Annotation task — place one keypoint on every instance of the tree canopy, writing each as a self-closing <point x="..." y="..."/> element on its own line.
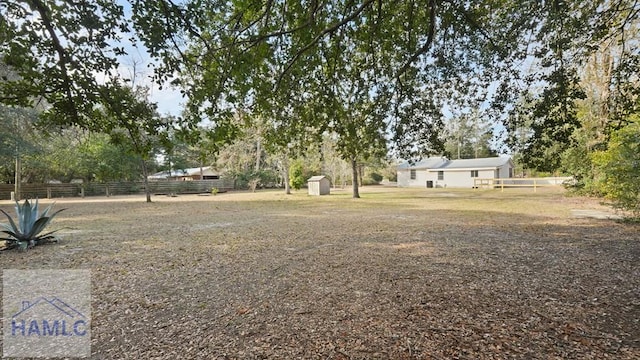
<point x="58" y="52"/>
<point x="368" y="71"/>
<point x="430" y="54"/>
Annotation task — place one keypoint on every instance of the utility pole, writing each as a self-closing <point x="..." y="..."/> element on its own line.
<point x="18" y="179"/>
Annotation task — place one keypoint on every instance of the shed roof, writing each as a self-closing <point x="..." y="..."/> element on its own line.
<point x="317" y="178"/>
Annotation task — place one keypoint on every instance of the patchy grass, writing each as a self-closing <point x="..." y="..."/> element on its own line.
<point x="400" y="273"/>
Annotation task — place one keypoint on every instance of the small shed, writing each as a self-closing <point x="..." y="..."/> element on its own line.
<point x="319" y="185"/>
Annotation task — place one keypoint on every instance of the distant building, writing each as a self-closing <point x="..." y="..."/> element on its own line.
<point x="437" y="172"/>
<point x="199" y="173"/>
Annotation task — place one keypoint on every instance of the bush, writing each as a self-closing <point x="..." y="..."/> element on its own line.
<point x="296" y="175"/>
<point x="619" y="169"/>
<point x="372" y="178"/>
<point x="252" y="179"/>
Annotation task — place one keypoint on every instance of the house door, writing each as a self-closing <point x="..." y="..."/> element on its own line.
<point x="429" y="184"/>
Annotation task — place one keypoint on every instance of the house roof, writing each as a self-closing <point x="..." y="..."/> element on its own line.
<point x="182" y="172"/>
<point x="317" y="178"/>
<point x="443" y="164"/>
<point x="428" y="163"/>
<point x="481" y="163"/>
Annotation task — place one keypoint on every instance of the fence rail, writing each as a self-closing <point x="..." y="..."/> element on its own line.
<point x="534" y="183"/>
<point x="115" y="188"/>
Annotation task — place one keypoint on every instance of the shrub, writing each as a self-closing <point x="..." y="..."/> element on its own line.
<point x="372" y="178"/>
<point x="246" y="179"/>
<point x="296" y="175"/>
<point x="26" y="230"/>
<point x="376" y="177"/>
<point x="619" y="169"/>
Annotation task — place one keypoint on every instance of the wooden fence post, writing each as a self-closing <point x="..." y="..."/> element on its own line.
<point x="48" y="193"/>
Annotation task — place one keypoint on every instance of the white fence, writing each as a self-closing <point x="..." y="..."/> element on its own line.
<point x="534" y="183"/>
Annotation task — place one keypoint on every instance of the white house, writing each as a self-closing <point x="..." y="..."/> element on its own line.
<point x="442" y="172"/>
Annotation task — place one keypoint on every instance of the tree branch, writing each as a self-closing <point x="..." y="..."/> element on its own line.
<point x="318" y="37"/>
<point x="63" y="57"/>
<point x="427" y="45"/>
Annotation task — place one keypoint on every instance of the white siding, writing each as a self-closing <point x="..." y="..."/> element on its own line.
<point x="403" y="178"/>
<point x="422" y="176"/>
<point x="319" y="186"/>
<point x="504" y="170"/>
<point x="460" y="178"/>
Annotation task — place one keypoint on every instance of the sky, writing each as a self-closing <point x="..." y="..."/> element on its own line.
<point x="169" y="100"/>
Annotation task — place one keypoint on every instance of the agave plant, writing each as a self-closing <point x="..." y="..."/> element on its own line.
<point x="26" y="230"/>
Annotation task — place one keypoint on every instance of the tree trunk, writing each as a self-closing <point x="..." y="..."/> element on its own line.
<point x="354" y="169"/>
<point x="284" y="171"/>
<point x="287" y="187"/>
<point x="18" y="179"/>
<point x="145" y="174"/>
<point x="258" y="155"/>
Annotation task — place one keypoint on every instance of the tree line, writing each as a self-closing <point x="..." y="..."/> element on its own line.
<point x="376" y="77"/>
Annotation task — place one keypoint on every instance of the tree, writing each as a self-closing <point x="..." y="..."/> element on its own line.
<point x="603" y="159"/>
<point x="296" y="175"/>
<point x="262" y="53"/>
<point x="569" y="34"/>
<point x="245" y="158"/>
<point x="18" y="139"/>
<point x="56" y="50"/>
<point x="618" y="168"/>
<point x="468" y="137"/>
<point x="131" y="120"/>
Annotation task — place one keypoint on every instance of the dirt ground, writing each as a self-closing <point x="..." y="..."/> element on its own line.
<point x="397" y="274"/>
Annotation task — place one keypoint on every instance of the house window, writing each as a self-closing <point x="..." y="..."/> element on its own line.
<point x="440" y="175"/>
<point x="474" y="173"/>
<point x="413" y="174"/>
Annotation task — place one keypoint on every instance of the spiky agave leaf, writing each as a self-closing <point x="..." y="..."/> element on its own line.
<point x="46" y="210"/>
<point x="12" y="229"/>
<point x="39" y="225"/>
<point x="24" y="216"/>
<point x="34" y="214"/>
